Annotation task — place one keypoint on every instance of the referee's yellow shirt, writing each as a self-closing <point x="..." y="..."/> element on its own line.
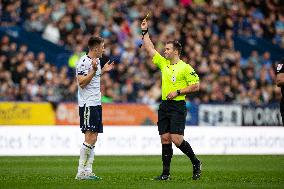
<point x="174" y="77"/>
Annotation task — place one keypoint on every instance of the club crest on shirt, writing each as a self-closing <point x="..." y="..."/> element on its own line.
<point x="279" y="67"/>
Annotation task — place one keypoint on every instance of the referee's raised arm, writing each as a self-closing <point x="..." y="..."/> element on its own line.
<point x="149" y="46"/>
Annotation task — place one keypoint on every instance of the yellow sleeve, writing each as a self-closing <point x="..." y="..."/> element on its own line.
<point x="190" y="76"/>
<point x="159" y="60"/>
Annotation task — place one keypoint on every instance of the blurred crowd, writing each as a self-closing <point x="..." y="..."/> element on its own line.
<point x="205" y="29"/>
<point x="25" y="76"/>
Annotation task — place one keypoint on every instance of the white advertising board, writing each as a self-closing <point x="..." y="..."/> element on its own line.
<point x="122" y="140"/>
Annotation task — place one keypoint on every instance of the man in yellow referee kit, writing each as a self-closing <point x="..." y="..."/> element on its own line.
<point x="178" y="79"/>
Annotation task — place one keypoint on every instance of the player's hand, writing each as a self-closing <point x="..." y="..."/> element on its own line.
<point x="108" y="66"/>
<point x="95" y="65"/>
<point x="172" y="95"/>
<point x="144" y="25"/>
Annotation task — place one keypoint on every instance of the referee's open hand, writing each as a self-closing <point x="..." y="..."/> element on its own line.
<point x="172" y="95"/>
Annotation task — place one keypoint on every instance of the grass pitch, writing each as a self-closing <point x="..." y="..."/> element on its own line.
<point x="261" y="171"/>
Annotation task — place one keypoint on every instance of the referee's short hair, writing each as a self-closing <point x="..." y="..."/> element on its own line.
<point x="94" y="41"/>
<point x="176" y="45"/>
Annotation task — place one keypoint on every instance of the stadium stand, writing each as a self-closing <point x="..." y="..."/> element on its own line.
<point x="227" y="75"/>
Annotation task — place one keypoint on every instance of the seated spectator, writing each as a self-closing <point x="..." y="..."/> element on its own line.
<point x="205" y="29"/>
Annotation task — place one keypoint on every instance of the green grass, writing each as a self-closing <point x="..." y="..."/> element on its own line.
<point x="261" y="171"/>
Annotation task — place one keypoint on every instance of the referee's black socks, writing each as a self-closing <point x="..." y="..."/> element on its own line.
<point x="167" y="154"/>
<point x="187" y="150"/>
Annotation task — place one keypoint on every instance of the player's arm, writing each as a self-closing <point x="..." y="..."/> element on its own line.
<point x="85" y="79"/>
<point x="280" y="79"/>
<point x="107" y="67"/>
<point x="149" y="46"/>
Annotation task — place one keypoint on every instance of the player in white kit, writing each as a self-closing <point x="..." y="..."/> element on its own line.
<point x="88" y="72"/>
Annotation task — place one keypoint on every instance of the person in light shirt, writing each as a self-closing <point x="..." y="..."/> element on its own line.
<point x="88" y="72"/>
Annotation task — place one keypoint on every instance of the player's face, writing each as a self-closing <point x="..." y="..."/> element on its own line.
<point x="169" y="51"/>
<point x="100" y="50"/>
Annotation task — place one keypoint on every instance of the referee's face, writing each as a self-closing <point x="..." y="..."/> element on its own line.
<point x="169" y="51"/>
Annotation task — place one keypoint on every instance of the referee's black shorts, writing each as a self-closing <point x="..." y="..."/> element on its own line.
<point x="91" y="119"/>
<point x="171" y="117"/>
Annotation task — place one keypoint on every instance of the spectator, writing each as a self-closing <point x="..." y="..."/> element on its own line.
<point x="209" y="49"/>
<point x="51" y="33"/>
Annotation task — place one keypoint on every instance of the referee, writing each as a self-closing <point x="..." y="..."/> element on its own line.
<point x="178" y="79"/>
<point x="280" y="83"/>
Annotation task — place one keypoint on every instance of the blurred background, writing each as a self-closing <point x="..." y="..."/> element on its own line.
<point x="232" y="45"/>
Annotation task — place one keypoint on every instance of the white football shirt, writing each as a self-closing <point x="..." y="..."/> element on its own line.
<point x="90" y="95"/>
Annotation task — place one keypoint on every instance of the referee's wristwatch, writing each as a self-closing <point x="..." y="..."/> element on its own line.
<point x="178" y="92"/>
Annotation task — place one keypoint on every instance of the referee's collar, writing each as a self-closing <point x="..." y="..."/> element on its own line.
<point x="175" y="63"/>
